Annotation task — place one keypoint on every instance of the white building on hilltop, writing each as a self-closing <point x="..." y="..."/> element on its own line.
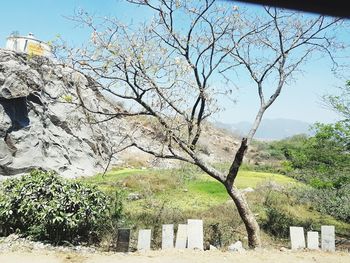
<point x="28" y="44"/>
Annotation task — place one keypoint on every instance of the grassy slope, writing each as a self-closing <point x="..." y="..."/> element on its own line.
<point x="189" y="191"/>
<point x="182" y="188"/>
<point x="201" y="182"/>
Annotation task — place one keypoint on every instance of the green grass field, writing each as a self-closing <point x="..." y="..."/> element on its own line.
<point x="197" y="181"/>
<point x="180" y="188"/>
<point x="190" y="192"/>
<point x="186" y="190"/>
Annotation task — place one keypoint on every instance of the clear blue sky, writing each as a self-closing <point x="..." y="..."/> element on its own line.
<point x="46" y="19"/>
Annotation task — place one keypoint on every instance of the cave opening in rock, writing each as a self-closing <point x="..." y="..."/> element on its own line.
<point x="17" y="111"/>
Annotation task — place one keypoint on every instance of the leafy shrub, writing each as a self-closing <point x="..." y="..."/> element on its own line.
<point x="277" y="222"/>
<point x="328" y="200"/>
<point x="278" y="218"/>
<point x="47" y="207"/>
<point x="273" y="167"/>
<point x="318" y="183"/>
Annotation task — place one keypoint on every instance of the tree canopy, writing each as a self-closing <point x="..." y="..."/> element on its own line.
<point x="173" y="69"/>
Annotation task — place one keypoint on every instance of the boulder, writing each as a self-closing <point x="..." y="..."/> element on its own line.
<point x="134" y="196"/>
<point x="211" y="247"/>
<point x="236" y="247"/>
<point x="43" y="123"/>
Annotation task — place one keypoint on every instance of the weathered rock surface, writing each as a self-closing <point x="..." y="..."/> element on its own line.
<point x="41" y="122"/>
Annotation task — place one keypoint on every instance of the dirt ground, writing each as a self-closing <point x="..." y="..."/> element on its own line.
<point x="176" y="257"/>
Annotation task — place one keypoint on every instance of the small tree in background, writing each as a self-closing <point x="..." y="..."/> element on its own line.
<point x="173" y="70"/>
<point x="340" y="103"/>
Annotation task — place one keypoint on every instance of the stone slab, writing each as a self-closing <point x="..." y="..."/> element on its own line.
<point x="236" y="247"/>
<point x="181" y="236"/>
<point x="123" y="240"/>
<point x="297" y="237"/>
<point x="167" y="236"/>
<point x="328" y="238"/>
<point x="144" y="240"/>
<point x="312" y="240"/>
<point x="195" y="234"/>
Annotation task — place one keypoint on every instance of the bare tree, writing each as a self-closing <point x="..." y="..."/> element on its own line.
<point x="173" y="69"/>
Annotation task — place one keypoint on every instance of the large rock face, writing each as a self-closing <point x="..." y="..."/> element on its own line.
<point x="50" y="119"/>
<point x="41" y="122"/>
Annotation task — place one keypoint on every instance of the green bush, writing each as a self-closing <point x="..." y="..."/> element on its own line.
<point x="328" y="200"/>
<point x="278" y="218"/>
<point x="47" y="207"/>
<point x="278" y="222"/>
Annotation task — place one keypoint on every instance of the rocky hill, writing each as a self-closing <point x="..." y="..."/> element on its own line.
<point x="49" y="119"/>
<point x="41" y="126"/>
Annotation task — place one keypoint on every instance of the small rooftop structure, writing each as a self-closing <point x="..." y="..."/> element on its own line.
<point x="28" y="44"/>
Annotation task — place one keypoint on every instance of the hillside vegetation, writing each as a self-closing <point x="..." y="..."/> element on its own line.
<point x="155" y="196"/>
<point x="147" y="198"/>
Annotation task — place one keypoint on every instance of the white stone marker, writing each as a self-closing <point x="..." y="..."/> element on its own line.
<point x="312" y="240"/>
<point x="167" y="236"/>
<point x="328" y="238"/>
<point x="297" y="238"/>
<point x="181" y="237"/>
<point x="144" y="240"/>
<point x="195" y="234"/>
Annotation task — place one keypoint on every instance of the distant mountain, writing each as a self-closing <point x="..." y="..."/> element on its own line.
<point x="270" y="129"/>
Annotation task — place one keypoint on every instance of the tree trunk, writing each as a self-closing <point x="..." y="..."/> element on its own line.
<point x="247" y="216"/>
